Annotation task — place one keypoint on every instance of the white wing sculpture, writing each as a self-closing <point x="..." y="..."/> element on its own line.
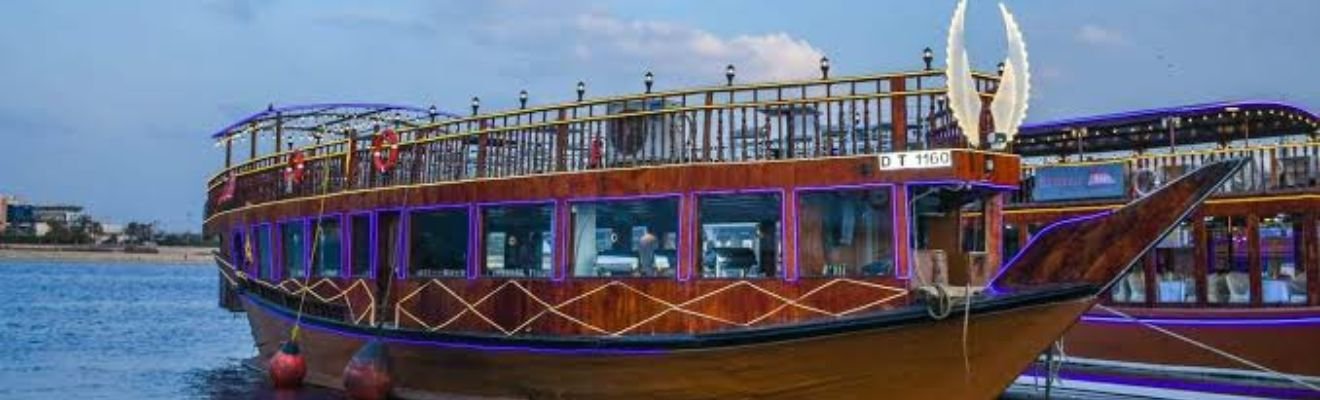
<point x="1009" y="107"/>
<point x="1010" y="104"/>
<point x="963" y="101"/>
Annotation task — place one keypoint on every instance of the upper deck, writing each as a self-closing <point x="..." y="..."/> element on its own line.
<point x="819" y="119"/>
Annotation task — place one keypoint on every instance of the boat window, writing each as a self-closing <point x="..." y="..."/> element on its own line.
<point x="1228" y="280"/>
<point x="1011" y="236"/>
<point x="740" y="235"/>
<point x="519" y="241"/>
<point x="625" y="238"/>
<point x="293" y="244"/>
<point x="438" y="243"/>
<point x="1131" y="288"/>
<point x="846" y="233"/>
<point x="236" y="252"/>
<point x="360" y="233"/>
<point x="1283" y="277"/>
<point x="261" y="250"/>
<point x="389" y="250"/>
<point x="328" y="253"/>
<point x="1175" y="266"/>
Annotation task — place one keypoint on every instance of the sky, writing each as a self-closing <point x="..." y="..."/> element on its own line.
<point x="109" y="104"/>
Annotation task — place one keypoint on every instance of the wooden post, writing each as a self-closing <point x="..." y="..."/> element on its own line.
<point x="482" y="149"/>
<point x="994" y="235"/>
<point x="1311" y="258"/>
<point x="705" y="135"/>
<point x="898" y="112"/>
<point x="561" y="142"/>
<point x="1253" y="259"/>
<point x="1152" y="282"/>
<point x="903" y="253"/>
<point x="1201" y="258"/>
<point x="789" y="224"/>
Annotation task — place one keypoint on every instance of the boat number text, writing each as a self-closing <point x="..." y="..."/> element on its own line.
<point x="916" y="159"/>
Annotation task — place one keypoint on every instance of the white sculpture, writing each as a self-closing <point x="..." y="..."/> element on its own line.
<point x="1009" y="107"/>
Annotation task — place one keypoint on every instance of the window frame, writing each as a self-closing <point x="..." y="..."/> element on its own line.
<point x="564" y="242"/>
<point x="785" y="210"/>
<point x="477" y="239"/>
<point x="895" y="235"/>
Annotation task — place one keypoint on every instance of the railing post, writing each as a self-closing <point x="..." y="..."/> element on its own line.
<point x="1201" y="258"/>
<point x="561" y="142"/>
<point x="705" y="133"/>
<point x="482" y="149"/>
<point x="898" y="112"/>
<point x="229" y="152"/>
<point x="1253" y="259"/>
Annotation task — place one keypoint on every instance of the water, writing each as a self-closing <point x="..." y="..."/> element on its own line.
<point x="123" y="331"/>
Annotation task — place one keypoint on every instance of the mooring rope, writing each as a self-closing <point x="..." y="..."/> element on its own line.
<point x="1212" y="349"/>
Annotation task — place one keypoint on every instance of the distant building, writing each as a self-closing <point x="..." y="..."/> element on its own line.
<point x="4" y="213"/>
<point x="60" y="213"/>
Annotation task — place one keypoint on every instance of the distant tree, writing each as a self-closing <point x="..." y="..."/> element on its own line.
<point x="138" y="232"/>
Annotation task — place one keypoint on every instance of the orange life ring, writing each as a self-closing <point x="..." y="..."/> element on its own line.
<point x="385" y="150"/>
<point x="294" y="171"/>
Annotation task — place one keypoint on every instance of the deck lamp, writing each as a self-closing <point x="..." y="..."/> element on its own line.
<point x="476" y="104"/>
<point x="581" y="90"/>
<point x="432" y="112"/>
<point x="824" y="68"/>
<point x="927" y="56"/>
<point x="522" y="100"/>
<point x="729" y="72"/>
<point x="649" y="79"/>
<point x="1001" y="68"/>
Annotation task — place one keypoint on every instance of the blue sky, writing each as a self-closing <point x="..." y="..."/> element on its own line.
<point x="108" y="104"/>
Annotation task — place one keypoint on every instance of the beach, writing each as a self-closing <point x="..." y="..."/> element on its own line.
<point x="74" y="253"/>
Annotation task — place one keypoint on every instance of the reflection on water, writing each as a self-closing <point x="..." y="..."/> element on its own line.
<point x="123" y="331"/>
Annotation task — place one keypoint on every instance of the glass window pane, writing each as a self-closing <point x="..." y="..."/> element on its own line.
<point x="1228" y="280"/>
<point x="1132" y="287"/>
<point x="740" y="235"/>
<point x="1011" y="240"/>
<point x="294" y="252"/>
<point x="361" y="246"/>
<point x="328" y="258"/>
<point x="236" y="253"/>
<point x="519" y="240"/>
<point x="438" y="243"/>
<point x="262" y="252"/>
<point x="1175" y="266"/>
<point x="1283" y="277"/>
<point x="625" y="238"/>
<point x="846" y="233"/>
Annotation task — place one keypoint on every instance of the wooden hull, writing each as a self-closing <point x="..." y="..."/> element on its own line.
<point x="917" y="361"/>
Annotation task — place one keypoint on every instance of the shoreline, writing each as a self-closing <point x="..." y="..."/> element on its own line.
<point x="73" y="253"/>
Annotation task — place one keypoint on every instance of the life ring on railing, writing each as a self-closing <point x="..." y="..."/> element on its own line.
<point x="297" y="164"/>
<point x="385" y="150"/>
<point x="227" y="189"/>
<point x="595" y="153"/>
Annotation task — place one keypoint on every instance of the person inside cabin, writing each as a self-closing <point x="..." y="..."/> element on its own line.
<point x="646" y="246"/>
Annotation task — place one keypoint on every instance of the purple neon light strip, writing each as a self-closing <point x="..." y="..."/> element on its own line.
<point x="452" y="345"/>
<point x="1155" y="113"/>
<point x="900" y="269"/>
<point x="1248" y="322"/>
<point x="1038" y="235"/>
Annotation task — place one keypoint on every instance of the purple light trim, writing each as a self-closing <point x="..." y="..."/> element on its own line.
<point x="1252" y="322"/>
<point x="893" y="220"/>
<point x="783" y="215"/>
<point x="678" y="265"/>
<point x="451" y="345"/>
<point x="1038" y="235"/>
<point x="1153" y="114"/>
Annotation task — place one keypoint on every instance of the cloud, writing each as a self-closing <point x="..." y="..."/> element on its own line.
<point x="1096" y="35"/>
<point x="685" y="50"/>
<point x="238" y="10"/>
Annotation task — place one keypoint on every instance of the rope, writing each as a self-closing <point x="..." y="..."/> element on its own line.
<point x="1212" y="349"/>
<point x="316" y="235"/>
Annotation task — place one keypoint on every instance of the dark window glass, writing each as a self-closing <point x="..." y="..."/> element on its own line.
<point x="438" y="243"/>
<point x="262" y="252"/>
<point x="293" y="239"/>
<point x="740" y="235"/>
<point x="519" y="241"/>
<point x="846" y="232"/>
<point x="1228" y="280"/>
<point x="328" y="253"/>
<point x="1283" y="277"/>
<point x="361" y="245"/>
<point x="625" y="238"/>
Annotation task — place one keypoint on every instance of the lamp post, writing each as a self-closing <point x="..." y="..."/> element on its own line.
<point x="522" y="100"/>
<point x="581" y="90"/>
<point x="649" y="79"/>
<point x="476" y="104"/>
<point x="927" y="56"/>
<point x="824" y="68"/>
<point x="432" y="112"/>
<point x="729" y="72"/>
<point x="1001" y="68"/>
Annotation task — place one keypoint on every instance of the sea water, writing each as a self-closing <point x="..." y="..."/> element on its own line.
<point x="89" y="330"/>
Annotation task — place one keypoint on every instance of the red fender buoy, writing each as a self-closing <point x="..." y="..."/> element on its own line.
<point x="287" y="367"/>
<point x="367" y="375"/>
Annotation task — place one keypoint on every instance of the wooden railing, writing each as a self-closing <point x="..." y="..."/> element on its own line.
<point x="1273" y="168"/>
<point x="774" y="121"/>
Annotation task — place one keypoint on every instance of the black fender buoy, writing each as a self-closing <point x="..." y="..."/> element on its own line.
<point x="367" y="375"/>
<point x="287" y="367"/>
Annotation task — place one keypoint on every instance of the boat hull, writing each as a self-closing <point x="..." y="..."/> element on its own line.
<point x="918" y="361"/>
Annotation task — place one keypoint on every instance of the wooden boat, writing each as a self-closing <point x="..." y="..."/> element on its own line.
<point x="1238" y="274"/>
<point x="802" y="318"/>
